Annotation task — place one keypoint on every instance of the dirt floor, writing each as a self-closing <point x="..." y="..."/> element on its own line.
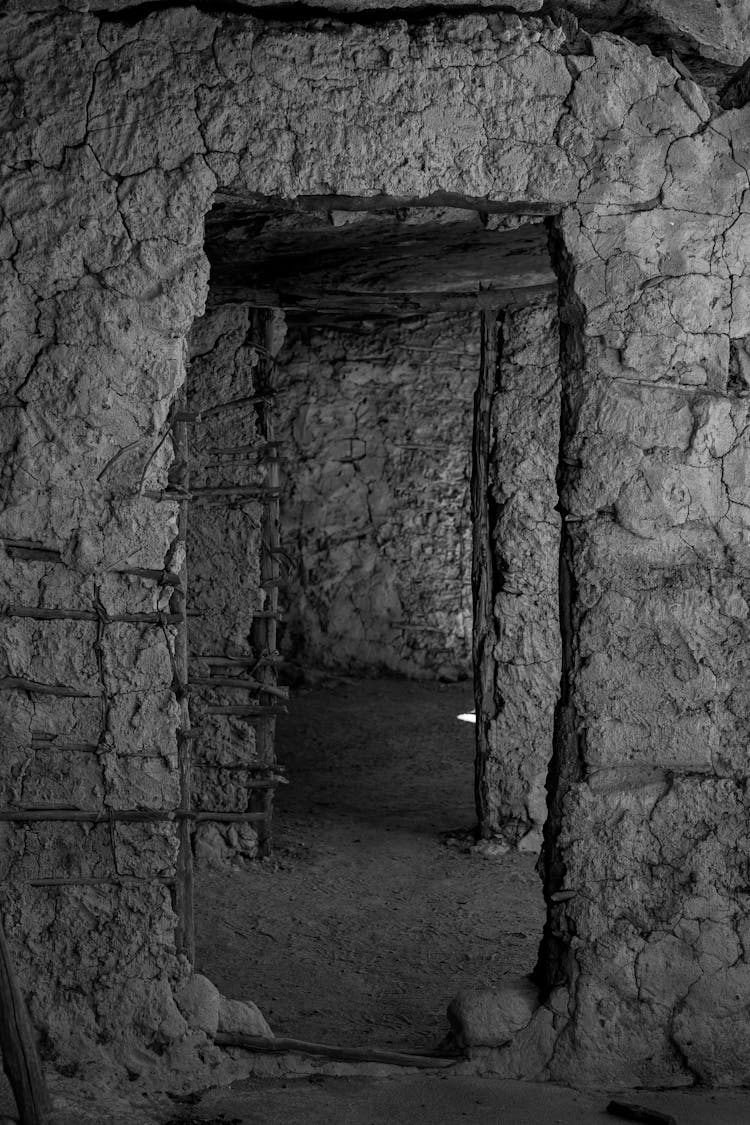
<point x="366" y="922"/>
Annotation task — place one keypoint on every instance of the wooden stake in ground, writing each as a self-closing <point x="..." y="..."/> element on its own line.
<point x="20" y="1058"/>
<point x="481" y="567"/>
<point x="264" y="626"/>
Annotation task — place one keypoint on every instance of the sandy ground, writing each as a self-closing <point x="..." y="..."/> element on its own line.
<point x="365" y="922"/>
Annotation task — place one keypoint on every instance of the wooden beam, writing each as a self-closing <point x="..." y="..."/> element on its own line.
<point x="482" y="562"/>
<point x="18" y="1046"/>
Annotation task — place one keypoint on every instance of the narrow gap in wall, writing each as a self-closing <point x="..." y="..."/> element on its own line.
<point x="376" y="904"/>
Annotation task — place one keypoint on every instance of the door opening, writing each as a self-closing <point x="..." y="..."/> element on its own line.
<point x="354" y="283"/>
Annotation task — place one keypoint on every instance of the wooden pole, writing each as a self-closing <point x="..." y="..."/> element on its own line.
<point x="184" y="888"/>
<point x="481" y="566"/>
<point x="18" y="1045"/>
<point x="265" y="626"/>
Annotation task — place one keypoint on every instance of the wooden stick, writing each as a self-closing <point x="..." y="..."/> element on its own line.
<point x="353" y="1054"/>
<point x="104" y="880"/>
<point x="238" y="661"/>
<point x="264" y="447"/>
<point x="242" y="685"/>
<point x="74" y="747"/>
<point x="250" y="709"/>
<point x="419" y="627"/>
<point x="210" y="411"/>
<point x="248" y="767"/>
<point x="184" y="885"/>
<point x="259" y="490"/>
<point x="18" y="683"/>
<point x="264" y="631"/>
<point x="32" y="554"/>
<point x="230" y="817"/>
<point x="42" y="614"/>
<point x="18" y="1046"/>
<point x="239" y="767"/>
<point x="482" y="567"/>
<point x="86" y="816"/>
<point x="163" y="577"/>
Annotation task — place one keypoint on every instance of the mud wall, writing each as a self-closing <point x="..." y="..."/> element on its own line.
<point x="647" y="872"/>
<point x="115" y="136"/>
<point x="228" y="471"/>
<point x="376" y="443"/>
<point x="525" y="530"/>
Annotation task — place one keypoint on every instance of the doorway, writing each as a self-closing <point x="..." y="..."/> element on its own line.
<point x="352" y="282"/>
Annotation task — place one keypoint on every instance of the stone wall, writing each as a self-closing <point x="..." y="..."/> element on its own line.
<point x="115" y="136"/>
<point x="376" y="446"/>
<point x="525" y="529"/>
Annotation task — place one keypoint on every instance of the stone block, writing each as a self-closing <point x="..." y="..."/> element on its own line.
<point x="491" y="1017"/>
<point x="242" y="1017"/>
<point x="199" y="1001"/>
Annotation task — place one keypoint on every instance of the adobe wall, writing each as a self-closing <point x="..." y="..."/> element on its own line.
<point x="224" y="534"/>
<point x="376" y="450"/>
<point x="524" y="650"/>
<point x="115" y="137"/>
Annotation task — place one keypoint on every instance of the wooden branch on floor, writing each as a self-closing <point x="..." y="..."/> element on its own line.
<point x="18" y="1047"/>
<point x="350" y="1054"/>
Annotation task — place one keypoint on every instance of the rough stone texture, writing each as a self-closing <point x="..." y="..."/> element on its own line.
<point x="526" y="544"/>
<point x="376" y="433"/>
<point x="115" y="135"/>
<point x="200" y="1003"/>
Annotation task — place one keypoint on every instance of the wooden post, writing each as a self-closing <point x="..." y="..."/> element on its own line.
<point x="184" y="892"/>
<point x="18" y="1045"/>
<point x="265" y="627"/>
<point x="482" y="566"/>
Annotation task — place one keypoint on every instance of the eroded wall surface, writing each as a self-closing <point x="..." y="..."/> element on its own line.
<point x="115" y="136"/>
<point x="525" y="529"/>
<point x="376" y="445"/>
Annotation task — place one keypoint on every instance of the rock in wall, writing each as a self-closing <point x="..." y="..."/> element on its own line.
<point x="376" y="433"/>
<point x="525" y="529"/>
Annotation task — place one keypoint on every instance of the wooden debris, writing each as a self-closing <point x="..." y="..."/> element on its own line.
<point x="242" y="685"/>
<point x="18" y="683"/>
<point x="18" y="1047"/>
<point x="353" y="1054"/>
<point x="43" y="614"/>
<point x="631" y="1111"/>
